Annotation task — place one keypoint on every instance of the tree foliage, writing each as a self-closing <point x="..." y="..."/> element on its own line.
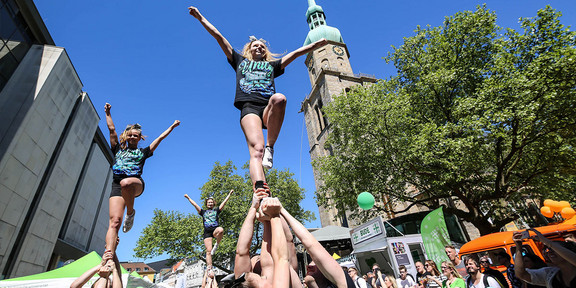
<point x="180" y="234"/>
<point x="475" y="114"/>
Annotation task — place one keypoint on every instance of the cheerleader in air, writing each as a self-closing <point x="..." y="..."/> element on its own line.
<point x="261" y="107"/>
<point x="212" y="228"/>
<point x="127" y="182"/>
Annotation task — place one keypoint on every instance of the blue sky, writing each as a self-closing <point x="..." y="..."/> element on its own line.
<point x="155" y="63"/>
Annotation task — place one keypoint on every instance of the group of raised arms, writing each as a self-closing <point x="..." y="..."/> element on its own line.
<point x="260" y="108"/>
<point x="276" y="265"/>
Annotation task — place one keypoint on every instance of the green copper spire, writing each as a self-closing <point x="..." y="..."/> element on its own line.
<point x="318" y="28"/>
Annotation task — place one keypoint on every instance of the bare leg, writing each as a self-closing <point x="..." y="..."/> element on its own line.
<point x="274" y="117"/>
<point x="208" y="244"/>
<point x="218" y="233"/>
<point x="252" y="127"/>
<point x="116" y="208"/>
<point x="131" y="188"/>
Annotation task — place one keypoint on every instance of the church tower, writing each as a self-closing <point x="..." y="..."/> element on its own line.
<point x="330" y="75"/>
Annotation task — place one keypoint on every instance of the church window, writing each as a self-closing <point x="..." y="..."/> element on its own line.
<point x="325" y="63"/>
<point x="341" y="61"/>
<point x="320" y="116"/>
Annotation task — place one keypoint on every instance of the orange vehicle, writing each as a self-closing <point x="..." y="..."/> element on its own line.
<point x="496" y="243"/>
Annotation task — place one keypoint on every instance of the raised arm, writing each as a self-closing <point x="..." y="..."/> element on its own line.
<point x="198" y="208"/>
<point x="271" y="207"/>
<point x="563" y="252"/>
<point x="242" y="262"/>
<point x="288" y="58"/>
<point x="116" y="273"/>
<point x="110" y="124"/>
<point x="519" y="269"/>
<point x="80" y="281"/>
<point x="225" y="200"/>
<point x="224" y="44"/>
<point x="324" y="261"/>
<point x="162" y="136"/>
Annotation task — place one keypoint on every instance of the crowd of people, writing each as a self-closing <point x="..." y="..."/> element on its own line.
<point x="557" y="269"/>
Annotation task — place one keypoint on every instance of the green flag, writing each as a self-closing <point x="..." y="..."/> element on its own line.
<point x="435" y="236"/>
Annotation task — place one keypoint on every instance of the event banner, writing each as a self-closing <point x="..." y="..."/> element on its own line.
<point x="435" y="236"/>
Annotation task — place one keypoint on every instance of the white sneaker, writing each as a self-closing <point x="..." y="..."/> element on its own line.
<point x="128" y="222"/>
<point x="214" y="249"/>
<point x="267" y="159"/>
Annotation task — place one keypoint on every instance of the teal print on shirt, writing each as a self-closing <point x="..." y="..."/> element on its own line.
<point x="128" y="162"/>
<point x="257" y="77"/>
<point x="210" y="220"/>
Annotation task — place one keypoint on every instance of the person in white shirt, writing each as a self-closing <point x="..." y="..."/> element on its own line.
<point x="406" y="280"/>
<point x="358" y="281"/>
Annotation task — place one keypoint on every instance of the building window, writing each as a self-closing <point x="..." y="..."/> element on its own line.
<point x="325" y="63"/>
<point x="319" y="115"/>
<point x="137" y="269"/>
<point x="146" y="269"/>
<point x="15" y="39"/>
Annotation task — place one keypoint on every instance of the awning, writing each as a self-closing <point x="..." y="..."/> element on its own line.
<point x="331" y="233"/>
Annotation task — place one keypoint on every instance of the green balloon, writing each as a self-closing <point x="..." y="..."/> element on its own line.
<point x="365" y="200"/>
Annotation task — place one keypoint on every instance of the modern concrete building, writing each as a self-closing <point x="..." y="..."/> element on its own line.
<point x="54" y="160"/>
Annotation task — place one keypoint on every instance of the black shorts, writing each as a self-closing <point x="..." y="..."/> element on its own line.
<point x="117" y="189"/>
<point x="253" y="108"/>
<point x="209" y="232"/>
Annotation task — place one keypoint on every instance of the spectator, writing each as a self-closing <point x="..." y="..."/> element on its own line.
<point x="531" y="261"/>
<point x="358" y="281"/>
<point x="370" y="279"/>
<point x="486" y="269"/>
<point x="476" y="279"/>
<point x="458" y="263"/>
<point x="406" y="280"/>
<point x="558" y="254"/>
<point x="390" y="282"/>
<point x="421" y="274"/>
<point x="378" y="280"/>
<point x="504" y="258"/>
<point x="453" y="278"/>
<point x="435" y="278"/>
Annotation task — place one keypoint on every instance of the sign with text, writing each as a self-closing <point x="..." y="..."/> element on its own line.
<point x="366" y="231"/>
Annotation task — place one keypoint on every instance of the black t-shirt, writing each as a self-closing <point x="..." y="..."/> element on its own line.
<point x="349" y="282"/>
<point x="254" y="79"/>
<point x="210" y="217"/>
<point x="422" y="278"/>
<point x="129" y="162"/>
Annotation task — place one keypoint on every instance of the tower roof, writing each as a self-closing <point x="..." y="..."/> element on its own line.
<point x="313" y="8"/>
<point x="318" y="29"/>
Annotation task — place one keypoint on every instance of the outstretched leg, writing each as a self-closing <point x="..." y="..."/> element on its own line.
<point x="252" y="127"/>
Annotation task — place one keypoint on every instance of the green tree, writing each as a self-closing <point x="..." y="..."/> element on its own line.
<point x="180" y="234"/>
<point x="474" y="115"/>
